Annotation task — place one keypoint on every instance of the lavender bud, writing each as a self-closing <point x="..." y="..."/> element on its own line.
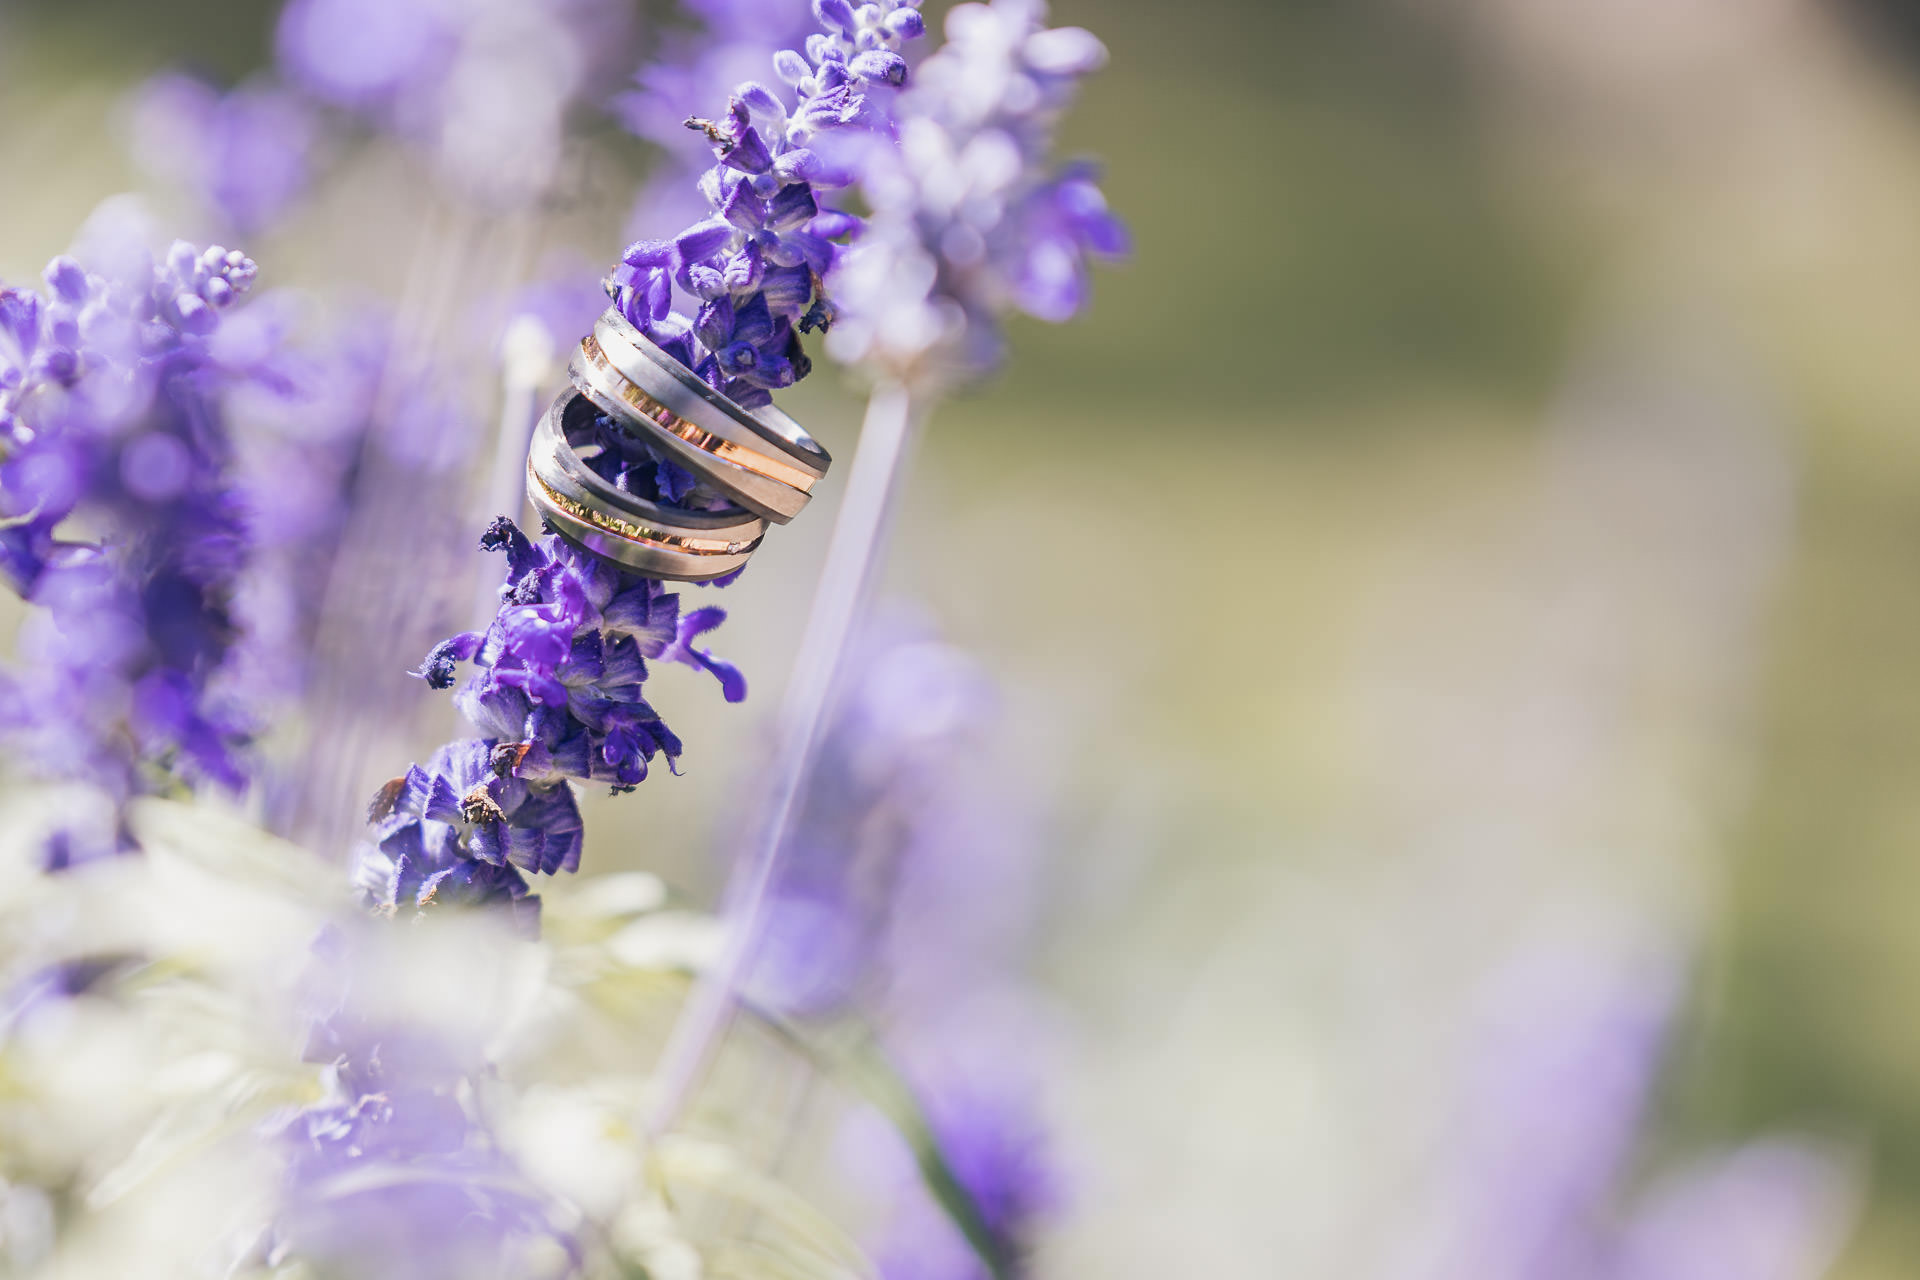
<point x="877" y="66"/>
<point x="66" y="278"/>
<point x="1066" y="51"/>
<point x="837" y="15"/>
<point x="906" y="24"/>
<point x="791" y="67"/>
<point x="760" y="99"/>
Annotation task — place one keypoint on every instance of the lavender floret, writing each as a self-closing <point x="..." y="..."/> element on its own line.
<point x="970" y="218"/>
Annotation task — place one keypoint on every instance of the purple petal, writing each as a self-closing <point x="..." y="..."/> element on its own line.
<point x="749" y="153"/>
<point x="790" y="66"/>
<point x="790" y="207"/>
<point x="649" y="253"/>
<point x="702" y="240"/>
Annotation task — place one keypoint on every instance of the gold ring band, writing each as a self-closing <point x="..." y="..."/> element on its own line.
<point x="637" y="532"/>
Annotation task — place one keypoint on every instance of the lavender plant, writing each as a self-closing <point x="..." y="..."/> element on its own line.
<point x="753" y="266"/>
<point x="969" y="220"/>
<point x="122" y="525"/>
<point x="558" y="695"/>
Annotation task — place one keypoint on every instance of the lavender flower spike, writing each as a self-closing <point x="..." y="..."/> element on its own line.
<point x="558" y="695"/>
<point x="967" y="223"/>
<point x="751" y="270"/>
<point x="969" y="220"/>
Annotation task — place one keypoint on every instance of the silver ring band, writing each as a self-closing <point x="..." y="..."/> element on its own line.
<point x="767" y="486"/>
<point x="644" y="537"/>
<point x="767" y="434"/>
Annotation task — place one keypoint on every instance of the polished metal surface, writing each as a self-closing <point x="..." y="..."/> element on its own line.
<point x="768" y="485"/>
<point x="767" y="431"/>
<point x="645" y="537"/>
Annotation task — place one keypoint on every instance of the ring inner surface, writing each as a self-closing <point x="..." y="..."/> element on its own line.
<point x="606" y="522"/>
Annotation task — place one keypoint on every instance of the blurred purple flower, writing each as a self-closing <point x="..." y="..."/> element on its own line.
<point x="566" y="297"/>
<point x="484" y="85"/>
<point x="1536" y="1186"/>
<point x="905" y="899"/>
<point x="977" y="1078"/>
<point x="878" y="823"/>
<point x="395" y="1172"/>
<point x="246" y="155"/>
<point x="308" y="407"/>
<point x="110" y="416"/>
<point x="969" y="218"/>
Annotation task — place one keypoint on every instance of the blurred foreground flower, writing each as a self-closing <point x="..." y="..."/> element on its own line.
<point x="122" y="523"/>
<point x="907" y="902"/>
<point x="217" y="1062"/>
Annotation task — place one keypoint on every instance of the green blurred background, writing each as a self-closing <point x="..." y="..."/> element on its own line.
<point x="1486" y="510"/>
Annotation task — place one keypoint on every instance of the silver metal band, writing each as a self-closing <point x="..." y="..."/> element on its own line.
<point x="645" y="537"/>
<point x="767" y="486"/>
<point x="767" y="433"/>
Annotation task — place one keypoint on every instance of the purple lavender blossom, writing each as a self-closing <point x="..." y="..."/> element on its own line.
<point x="970" y="220"/>
<point x="558" y="695"/>
<point x="245" y="155"/>
<point x="735" y="42"/>
<point x="121" y="522"/>
<point x="752" y="268"/>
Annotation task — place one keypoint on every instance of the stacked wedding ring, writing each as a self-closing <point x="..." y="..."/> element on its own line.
<point x="644" y="537"/>
<point x="760" y="459"/>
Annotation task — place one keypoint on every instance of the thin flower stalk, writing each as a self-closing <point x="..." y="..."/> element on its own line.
<point x="951" y="247"/>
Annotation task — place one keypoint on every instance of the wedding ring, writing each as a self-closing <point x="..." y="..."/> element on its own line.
<point x="760" y="458"/>
<point x="649" y="538"/>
